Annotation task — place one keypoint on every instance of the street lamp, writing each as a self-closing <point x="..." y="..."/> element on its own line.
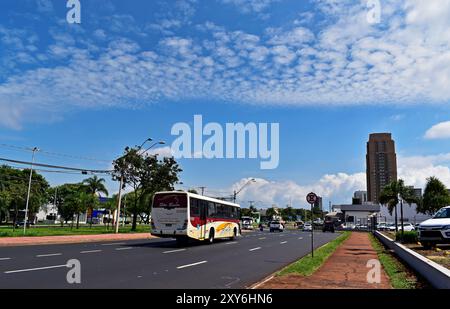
<point x="147" y="140"/>
<point x="235" y="193"/>
<point x="35" y="149"/>
<point x="154" y="144"/>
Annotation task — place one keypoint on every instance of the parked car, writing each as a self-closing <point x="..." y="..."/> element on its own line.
<point x="22" y="223"/>
<point x="407" y="227"/>
<point x="276" y="226"/>
<point x="328" y="225"/>
<point x="436" y="230"/>
<point x="307" y="227"/>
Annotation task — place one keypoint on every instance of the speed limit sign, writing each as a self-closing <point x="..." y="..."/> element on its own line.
<point x="311" y="198"/>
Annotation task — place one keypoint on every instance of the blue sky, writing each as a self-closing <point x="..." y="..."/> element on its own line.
<point x="319" y="68"/>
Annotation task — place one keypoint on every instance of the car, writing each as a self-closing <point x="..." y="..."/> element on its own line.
<point x="22" y="223"/>
<point x="328" y="225"/>
<point x="407" y="227"/>
<point x="382" y="226"/>
<point x="307" y="227"/>
<point x="276" y="226"/>
<point x="436" y="230"/>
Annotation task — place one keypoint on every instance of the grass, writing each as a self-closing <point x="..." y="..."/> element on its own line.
<point x="66" y="230"/>
<point x="306" y="266"/>
<point x="397" y="272"/>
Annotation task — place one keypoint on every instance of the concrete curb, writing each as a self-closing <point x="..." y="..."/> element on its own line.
<point x="437" y="275"/>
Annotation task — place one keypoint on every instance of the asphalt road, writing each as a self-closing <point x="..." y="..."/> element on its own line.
<point x="157" y="263"/>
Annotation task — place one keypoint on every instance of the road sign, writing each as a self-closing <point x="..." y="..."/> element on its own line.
<point x="311" y="198"/>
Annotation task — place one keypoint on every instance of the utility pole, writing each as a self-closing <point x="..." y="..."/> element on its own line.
<point x="203" y="190"/>
<point x="118" y="205"/>
<point x="29" y="190"/>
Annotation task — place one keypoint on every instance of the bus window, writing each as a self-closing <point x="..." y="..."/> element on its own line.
<point x="195" y="209"/>
<point x="212" y="209"/>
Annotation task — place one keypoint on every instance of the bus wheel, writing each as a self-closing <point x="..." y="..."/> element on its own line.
<point x="211" y="236"/>
<point x="234" y="234"/>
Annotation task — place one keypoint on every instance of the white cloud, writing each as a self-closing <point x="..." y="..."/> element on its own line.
<point x="438" y="131"/>
<point x="250" y="6"/>
<point x="339" y="188"/>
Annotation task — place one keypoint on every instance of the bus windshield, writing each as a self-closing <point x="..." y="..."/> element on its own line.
<point x="170" y="200"/>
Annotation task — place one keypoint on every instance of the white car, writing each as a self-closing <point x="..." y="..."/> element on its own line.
<point x="407" y="227"/>
<point x="276" y="226"/>
<point x="436" y="230"/>
<point x="307" y="227"/>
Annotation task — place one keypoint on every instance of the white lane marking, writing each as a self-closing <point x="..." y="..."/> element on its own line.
<point x="46" y="255"/>
<point x="261" y="238"/>
<point x="91" y="251"/>
<point x="193" y="264"/>
<point x="33" y="269"/>
<point x="114" y="244"/>
<point x="300" y="238"/>
<point x="257" y="248"/>
<point x="173" y="251"/>
<point x="283" y="242"/>
<point x="126" y="248"/>
<point x="231" y="243"/>
<point x="4" y="259"/>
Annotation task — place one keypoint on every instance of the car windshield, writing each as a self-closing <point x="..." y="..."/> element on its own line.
<point x="442" y="213"/>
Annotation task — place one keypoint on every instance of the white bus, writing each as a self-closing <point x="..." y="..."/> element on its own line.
<point x="184" y="215"/>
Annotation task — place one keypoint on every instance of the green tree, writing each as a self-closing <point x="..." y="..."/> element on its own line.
<point x="146" y="175"/>
<point x="395" y="193"/>
<point x="94" y="185"/>
<point x="435" y="196"/>
<point x="79" y="202"/>
<point x="270" y="212"/>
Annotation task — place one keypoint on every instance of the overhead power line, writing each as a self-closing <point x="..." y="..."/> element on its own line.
<point x="83" y="170"/>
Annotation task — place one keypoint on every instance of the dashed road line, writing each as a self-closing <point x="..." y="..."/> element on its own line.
<point x="300" y="238"/>
<point x="257" y="248"/>
<point x="262" y="238"/>
<point x="90" y="251"/>
<point x="231" y="243"/>
<point x="48" y="255"/>
<point x="4" y="259"/>
<point x="34" y="269"/>
<point x="125" y="248"/>
<point x="283" y="242"/>
<point x="173" y="251"/>
<point x="193" y="264"/>
<point x="114" y="244"/>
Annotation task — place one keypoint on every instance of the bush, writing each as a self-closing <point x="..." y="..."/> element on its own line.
<point x="408" y="237"/>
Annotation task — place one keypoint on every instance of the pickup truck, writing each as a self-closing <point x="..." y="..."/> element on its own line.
<point x="276" y="226"/>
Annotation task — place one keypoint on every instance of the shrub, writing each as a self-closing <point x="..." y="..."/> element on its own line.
<point x="408" y="237"/>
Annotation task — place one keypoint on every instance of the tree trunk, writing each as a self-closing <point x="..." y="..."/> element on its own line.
<point x="133" y="227"/>
<point x="78" y="221"/>
<point x="396" y="223"/>
<point x="401" y="218"/>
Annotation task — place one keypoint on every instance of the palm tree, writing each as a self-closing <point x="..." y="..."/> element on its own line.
<point x="395" y="193"/>
<point x="93" y="186"/>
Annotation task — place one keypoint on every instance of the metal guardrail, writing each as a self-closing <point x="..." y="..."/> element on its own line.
<point x="437" y="275"/>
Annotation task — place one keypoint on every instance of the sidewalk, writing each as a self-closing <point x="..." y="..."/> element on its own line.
<point x="345" y="269"/>
<point x="50" y="240"/>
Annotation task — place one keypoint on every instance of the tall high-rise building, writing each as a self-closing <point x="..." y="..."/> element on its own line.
<point x="381" y="164"/>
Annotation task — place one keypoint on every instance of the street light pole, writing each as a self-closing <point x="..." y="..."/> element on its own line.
<point x="29" y="191"/>
<point x="118" y="205"/>
<point x="235" y="193"/>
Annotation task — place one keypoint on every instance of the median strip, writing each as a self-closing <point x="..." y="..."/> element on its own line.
<point x="190" y="265"/>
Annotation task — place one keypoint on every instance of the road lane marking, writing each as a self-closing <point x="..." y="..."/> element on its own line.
<point x="173" y="251"/>
<point x="261" y="283"/>
<point x="190" y="265"/>
<point x="126" y="248"/>
<point x="283" y="242"/>
<point x="231" y="243"/>
<point x="47" y="255"/>
<point x="33" y="269"/>
<point x="90" y="251"/>
<point x="4" y="259"/>
<point x="300" y="238"/>
<point x="261" y="238"/>
<point x="114" y="244"/>
<point x="257" y="248"/>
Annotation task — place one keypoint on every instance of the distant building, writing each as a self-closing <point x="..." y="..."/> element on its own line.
<point x="356" y="214"/>
<point x="410" y="214"/>
<point x="381" y="164"/>
<point x="360" y="197"/>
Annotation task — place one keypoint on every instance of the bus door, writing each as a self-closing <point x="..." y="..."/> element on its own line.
<point x="203" y="214"/>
